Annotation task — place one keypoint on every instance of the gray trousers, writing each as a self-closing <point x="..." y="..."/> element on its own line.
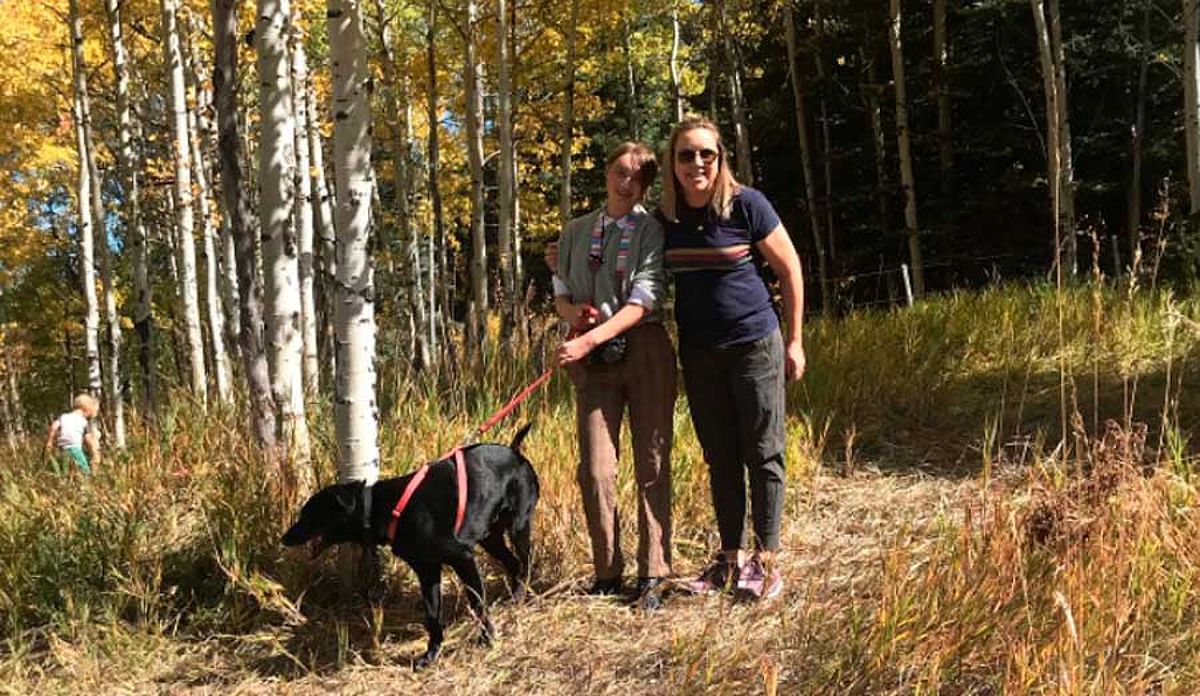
<point x="645" y="383"/>
<point x="736" y="398"/>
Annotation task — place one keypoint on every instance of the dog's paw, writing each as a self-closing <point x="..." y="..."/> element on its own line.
<point x="519" y="594"/>
<point x="430" y="656"/>
<point x="487" y="631"/>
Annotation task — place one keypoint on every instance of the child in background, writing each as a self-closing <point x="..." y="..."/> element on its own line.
<point x="71" y="432"/>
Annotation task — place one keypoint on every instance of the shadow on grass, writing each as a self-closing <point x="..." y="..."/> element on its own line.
<point x="341" y="628"/>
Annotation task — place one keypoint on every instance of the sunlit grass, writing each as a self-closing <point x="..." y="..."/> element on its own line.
<point x="983" y="558"/>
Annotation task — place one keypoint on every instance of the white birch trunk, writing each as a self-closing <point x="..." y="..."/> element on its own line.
<point x="87" y="221"/>
<point x="568" y="132"/>
<point x="398" y="114"/>
<point x="200" y="169"/>
<point x="676" y="88"/>
<point x="436" y="240"/>
<point x="229" y="143"/>
<point x="6" y="416"/>
<point x="423" y="311"/>
<point x="907" y="180"/>
<point x="14" y="416"/>
<point x="10" y="395"/>
<point x="323" y="230"/>
<point x="173" y="55"/>
<point x="1065" y="158"/>
<point x="304" y="218"/>
<point x="131" y="212"/>
<point x="741" y="131"/>
<point x="277" y="172"/>
<point x="871" y="98"/>
<point x="1053" y="147"/>
<point x="941" y="57"/>
<point x="112" y="388"/>
<point x="826" y="138"/>
<point x="1133" y="215"/>
<point x="355" y="413"/>
<point x="229" y="283"/>
<point x="635" y="115"/>
<point x="477" y="323"/>
<point x="810" y="187"/>
<point x="504" y="168"/>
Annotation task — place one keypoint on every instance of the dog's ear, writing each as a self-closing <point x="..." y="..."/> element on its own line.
<point x="520" y="437"/>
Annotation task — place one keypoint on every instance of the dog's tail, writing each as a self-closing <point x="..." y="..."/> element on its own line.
<point x="520" y="437"/>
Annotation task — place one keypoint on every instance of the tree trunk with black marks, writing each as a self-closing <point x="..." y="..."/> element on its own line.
<point x="810" y="189"/>
<point x="229" y="143"/>
<point x="903" y="141"/>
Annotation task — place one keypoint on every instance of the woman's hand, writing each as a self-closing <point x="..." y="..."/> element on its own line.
<point x="575" y="350"/>
<point x="586" y="316"/>
<point x="794" y="361"/>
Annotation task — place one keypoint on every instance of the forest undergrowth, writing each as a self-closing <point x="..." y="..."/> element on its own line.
<point x="947" y="530"/>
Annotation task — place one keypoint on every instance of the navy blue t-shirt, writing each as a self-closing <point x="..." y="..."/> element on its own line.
<point x="720" y="298"/>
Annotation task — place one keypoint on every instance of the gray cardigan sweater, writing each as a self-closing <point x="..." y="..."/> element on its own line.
<point x="644" y="281"/>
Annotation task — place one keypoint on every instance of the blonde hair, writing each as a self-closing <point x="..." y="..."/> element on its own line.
<point x="86" y="403"/>
<point x="724" y="188"/>
<point x="645" y="163"/>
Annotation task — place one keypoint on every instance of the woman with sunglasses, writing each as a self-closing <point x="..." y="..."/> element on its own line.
<point x="734" y="356"/>
<point x="609" y="285"/>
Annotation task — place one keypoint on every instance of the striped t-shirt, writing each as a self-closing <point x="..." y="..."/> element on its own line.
<point x="720" y="298"/>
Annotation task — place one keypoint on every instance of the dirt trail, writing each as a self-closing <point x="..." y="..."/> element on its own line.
<point x="564" y="643"/>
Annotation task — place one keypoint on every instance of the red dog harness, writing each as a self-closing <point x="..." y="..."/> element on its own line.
<point x="460" y="470"/>
<point x="460" y="466"/>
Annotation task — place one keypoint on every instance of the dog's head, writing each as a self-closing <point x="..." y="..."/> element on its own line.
<point x="332" y="516"/>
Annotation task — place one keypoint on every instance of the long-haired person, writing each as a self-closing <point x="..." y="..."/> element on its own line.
<point x="734" y="355"/>
<point x="609" y="284"/>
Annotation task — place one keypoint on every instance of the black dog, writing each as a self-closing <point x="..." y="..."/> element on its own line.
<point x="502" y="491"/>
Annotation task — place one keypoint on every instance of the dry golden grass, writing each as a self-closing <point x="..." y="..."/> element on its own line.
<point x="932" y="543"/>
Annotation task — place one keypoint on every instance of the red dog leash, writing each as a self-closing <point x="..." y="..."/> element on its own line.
<point x="460" y="465"/>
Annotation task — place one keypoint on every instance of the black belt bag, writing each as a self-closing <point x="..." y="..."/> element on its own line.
<point x="611" y="352"/>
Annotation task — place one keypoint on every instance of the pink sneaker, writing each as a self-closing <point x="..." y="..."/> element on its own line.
<point x="758" y="581"/>
<point x="718" y="576"/>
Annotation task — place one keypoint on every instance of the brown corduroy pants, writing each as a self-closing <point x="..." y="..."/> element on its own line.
<point x="645" y="381"/>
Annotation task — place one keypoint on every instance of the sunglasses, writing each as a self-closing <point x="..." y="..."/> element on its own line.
<point x="688" y="155"/>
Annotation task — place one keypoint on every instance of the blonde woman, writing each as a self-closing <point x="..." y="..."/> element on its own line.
<point x="734" y="355"/>
<point x="609" y="285"/>
<point x="72" y="432"/>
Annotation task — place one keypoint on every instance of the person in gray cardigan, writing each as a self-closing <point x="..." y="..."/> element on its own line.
<point x="609" y="285"/>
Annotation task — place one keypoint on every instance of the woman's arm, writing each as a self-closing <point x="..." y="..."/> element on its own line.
<point x="578" y="348"/>
<point x="781" y="255"/>
<point x="558" y="258"/>
<point x="645" y="294"/>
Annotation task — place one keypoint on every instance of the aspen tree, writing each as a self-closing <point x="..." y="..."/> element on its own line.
<point x="131" y="212"/>
<point x="229" y="143"/>
<point x="810" y="189"/>
<point x="182" y="192"/>
<point x="355" y="412"/>
<point x="904" y="147"/>
<point x="281" y="273"/>
<point x="87" y="213"/>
